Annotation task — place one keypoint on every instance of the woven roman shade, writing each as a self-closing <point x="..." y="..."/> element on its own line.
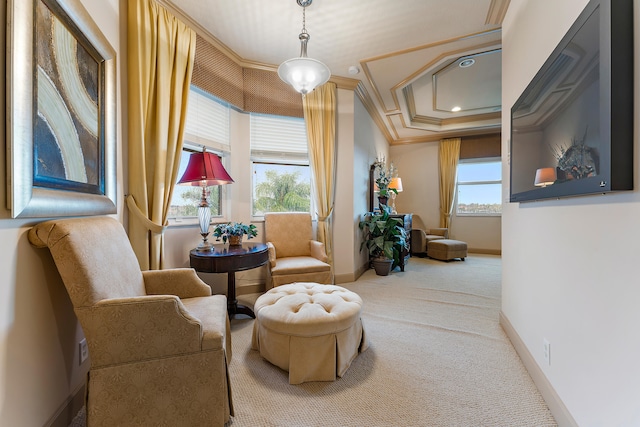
<point x="217" y="74"/>
<point x="249" y="89"/>
<point x="265" y="93"/>
<point x="480" y="147"/>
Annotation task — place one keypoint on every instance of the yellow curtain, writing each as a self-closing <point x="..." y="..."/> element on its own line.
<point x="449" y="153"/>
<point x="160" y="63"/>
<point x="320" y="118"/>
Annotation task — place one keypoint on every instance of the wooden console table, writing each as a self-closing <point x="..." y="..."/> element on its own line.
<point x="229" y="259"/>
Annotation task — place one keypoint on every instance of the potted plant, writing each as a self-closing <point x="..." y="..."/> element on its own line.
<point x="234" y="232"/>
<point x="384" y="237"/>
<point x="384" y="175"/>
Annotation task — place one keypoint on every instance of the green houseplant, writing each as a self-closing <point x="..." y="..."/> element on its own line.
<point x="233" y="231"/>
<point x="385" y="238"/>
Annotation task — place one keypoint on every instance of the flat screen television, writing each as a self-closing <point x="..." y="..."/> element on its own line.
<point x="572" y="127"/>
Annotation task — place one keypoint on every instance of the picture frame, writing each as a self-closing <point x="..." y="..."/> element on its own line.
<point x="61" y="111"/>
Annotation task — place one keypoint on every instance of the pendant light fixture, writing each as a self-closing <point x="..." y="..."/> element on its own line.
<point x="304" y="74"/>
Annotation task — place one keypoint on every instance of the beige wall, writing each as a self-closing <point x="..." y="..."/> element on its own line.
<point x="570" y="266"/>
<point x="418" y="167"/>
<point x="39" y="333"/>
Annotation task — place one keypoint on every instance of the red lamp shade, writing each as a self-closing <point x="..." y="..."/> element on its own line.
<point x="205" y="168"/>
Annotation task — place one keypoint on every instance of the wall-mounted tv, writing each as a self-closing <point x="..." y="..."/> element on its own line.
<point x="572" y="127"/>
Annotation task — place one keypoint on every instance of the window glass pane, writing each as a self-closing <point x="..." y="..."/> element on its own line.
<point x="480" y="171"/>
<point x="479" y="188"/>
<point x="479" y="199"/>
<point x="281" y="188"/>
<point x="186" y="198"/>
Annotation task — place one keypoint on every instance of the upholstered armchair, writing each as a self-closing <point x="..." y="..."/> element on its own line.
<point x="294" y="256"/>
<point x="159" y="342"/>
<point x="420" y="238"/>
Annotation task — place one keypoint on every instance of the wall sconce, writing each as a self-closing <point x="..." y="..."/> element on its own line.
<point x="544" y="177"/>
<point x="203" y="170"/>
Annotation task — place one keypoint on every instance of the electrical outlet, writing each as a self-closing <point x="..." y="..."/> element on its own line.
<point x="547" y="351"/>
<point x="84" y="350"/>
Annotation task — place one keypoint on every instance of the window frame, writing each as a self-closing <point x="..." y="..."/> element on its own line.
<point x="471" y="183"/>
<point x="222" y="194"/>
<point x="279" y="158"/>
<point x="197" y="141"/>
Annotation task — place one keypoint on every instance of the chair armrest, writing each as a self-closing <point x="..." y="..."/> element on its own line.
<point x="122" y="330"/>
<point x="444" y="232"/>
<point x="318" y="251"/>
<point x="272" y="254"/>
<point x="182" y="282"/>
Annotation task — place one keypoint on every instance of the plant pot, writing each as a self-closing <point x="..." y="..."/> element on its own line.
<point x="235" y="240"/>
<point x="382" y="266"/>
<point x="383" y="200"/>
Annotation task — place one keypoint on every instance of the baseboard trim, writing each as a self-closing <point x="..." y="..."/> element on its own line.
<point x="485" y="251"/>
<point x="344" y="278"/>
<point x="69" y="408"/>
<point x="556" y="406"/>
<point x="250" y="289"/>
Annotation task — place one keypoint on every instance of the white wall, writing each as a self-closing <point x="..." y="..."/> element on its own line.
<point x="369" y="143"/>
<point x="39" y="333"/>
<point x="570" y="266"/>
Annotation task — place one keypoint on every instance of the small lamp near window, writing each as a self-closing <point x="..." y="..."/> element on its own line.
<point x="396" y="183"/>
<point x="203" y="170"/>
<point x="544" y="177"/>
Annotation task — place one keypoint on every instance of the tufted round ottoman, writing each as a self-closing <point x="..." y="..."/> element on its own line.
<point x="313" y="331"/>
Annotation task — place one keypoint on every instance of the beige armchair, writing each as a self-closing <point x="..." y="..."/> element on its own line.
<point x="159" y="342"/>
<point x="420" y="238"/>
<point x="293" y="254"/>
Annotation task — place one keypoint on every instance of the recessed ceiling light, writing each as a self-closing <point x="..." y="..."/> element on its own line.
<point x="466" y="63"/>
<point x="456" y="109"/>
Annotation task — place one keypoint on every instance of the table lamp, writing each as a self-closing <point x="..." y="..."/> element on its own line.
<point x="544" y="177"/>
<point x="204" y="169"/>
<point x="396" y="183"/>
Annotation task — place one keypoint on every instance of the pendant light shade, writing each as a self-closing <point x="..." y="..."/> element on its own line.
<point x="304" y="74"/>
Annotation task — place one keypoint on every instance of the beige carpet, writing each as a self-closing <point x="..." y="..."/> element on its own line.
<point x="437" y="357"/>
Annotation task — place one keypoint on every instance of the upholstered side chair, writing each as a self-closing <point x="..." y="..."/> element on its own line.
<point x="420" y="238"/>
<point x="159" y="342"/>
<point x="294" y="256"/>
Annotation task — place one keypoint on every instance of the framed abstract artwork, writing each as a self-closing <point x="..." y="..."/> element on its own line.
<point x="61" y="111"/>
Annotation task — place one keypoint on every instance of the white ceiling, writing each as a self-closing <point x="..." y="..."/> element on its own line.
<point x="401" y="47"/>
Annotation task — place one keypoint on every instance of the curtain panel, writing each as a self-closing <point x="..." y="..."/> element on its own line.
<point x="449" y="153"/>
<point x="160" y="51"/>
<point x="320" y="118"/>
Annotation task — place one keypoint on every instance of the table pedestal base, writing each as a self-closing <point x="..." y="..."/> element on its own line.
<point x="233" y="307"/>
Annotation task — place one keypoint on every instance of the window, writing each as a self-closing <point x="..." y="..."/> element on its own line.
<point x="281" y="175"/>
<point x="479" y="187"/>
<point x="207" y="126"/>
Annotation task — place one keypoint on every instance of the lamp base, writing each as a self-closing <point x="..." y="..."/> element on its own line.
<point x="205" y="246"/>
